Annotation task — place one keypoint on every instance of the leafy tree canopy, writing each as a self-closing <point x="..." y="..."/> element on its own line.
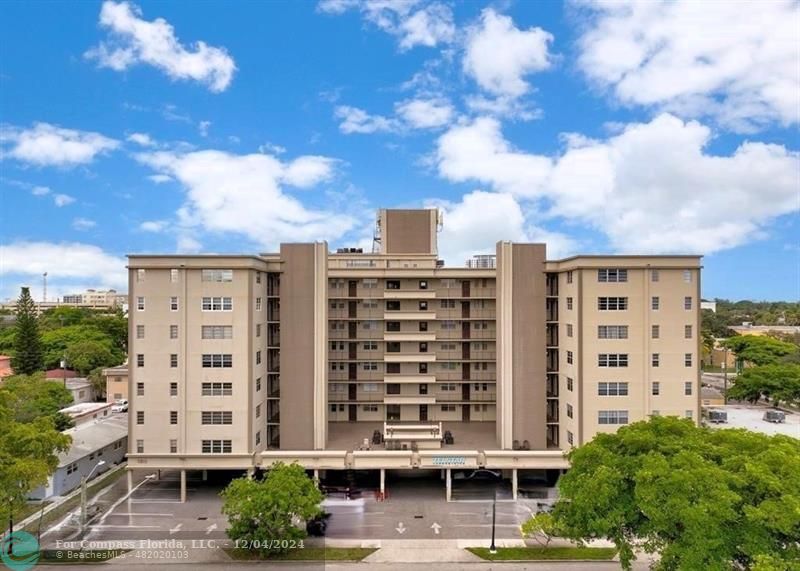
<point x="27" y="355"/>
<point x="760" y="350"/>
<point x="276" y="507"/>
<point x="777" y="383"/>
<point x="699" y="498"/>
<point x="84" y="356"/>
<point x="31" y="397"/>
<point x="57" y="341"/>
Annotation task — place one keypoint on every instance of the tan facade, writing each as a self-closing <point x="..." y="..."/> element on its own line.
<point x="239" y="360"/>
<point x="116" y="383"/>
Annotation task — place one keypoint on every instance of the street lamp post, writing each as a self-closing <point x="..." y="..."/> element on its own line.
<point x="492" y="548"/>
<point x="83" y="492"/>
<point x="725" y="375"/>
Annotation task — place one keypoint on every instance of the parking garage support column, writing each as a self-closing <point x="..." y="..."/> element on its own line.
<point x="448" y="484"/>
<point x="130" y="480"/>
<point x="514" y="483"/>
<point x="183" y="486"/>
<point x="383" y="482"/>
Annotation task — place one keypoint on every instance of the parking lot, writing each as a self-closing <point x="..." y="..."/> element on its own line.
<point x="415" y="508"/>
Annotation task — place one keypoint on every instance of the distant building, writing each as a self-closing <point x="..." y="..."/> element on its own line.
<point x="705" y="304"/>
<point x="5" y="366"/>
<point x="91" y="299"/>
<point x="60" y="374"/>
<point x="84" y="412"/>
<point x="709" y="396"/>
<point x="748" y="328"/>
<point x="105" y="440"/>
<point x="482" y="261"/>
<point x="81" y="389"/>
<point x="116" y="383"/>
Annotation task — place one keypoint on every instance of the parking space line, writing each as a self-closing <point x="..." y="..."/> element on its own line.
<point x="143" y="514"/>
<point x="106" y="526"/>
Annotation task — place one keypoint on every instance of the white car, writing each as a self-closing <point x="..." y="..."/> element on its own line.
<point x="120" y="405"/>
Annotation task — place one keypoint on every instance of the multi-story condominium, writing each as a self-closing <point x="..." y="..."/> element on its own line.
<point x="392" y="360"/>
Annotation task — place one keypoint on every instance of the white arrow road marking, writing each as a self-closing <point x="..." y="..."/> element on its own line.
<point x="175" y="529"/>
<point x="211" y="528"/>
<point x="401" y="529"/>
<point x="436" y="527"/>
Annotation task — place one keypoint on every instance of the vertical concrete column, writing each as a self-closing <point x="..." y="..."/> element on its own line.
<point x="183" y="486"/>
<point x="130" y="480"/>
<point x="514" y="484"/>
<point x="205" y="475"/>
<point x="448" y="484"/>
<point x="383" y="482"/>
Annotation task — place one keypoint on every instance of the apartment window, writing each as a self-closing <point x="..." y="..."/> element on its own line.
<point x="139" y="389"/>
<point x="687" y="388"/>
<point x="423" y="325"/>
<point x="655" y="302"/>
<point x="140" y="446"/>
<point x="140" y="331"/>
<point x="140" y="273"/>
<point x="258" y="411"/>
<point x="447" y="366"/>
<point x="569" y="303"/>
<point x="258" y="357"/>
<point x="655" y="331"/>
<point x="392" y="306"/>
<point x="140" y="303"/>
<point x="654" y="359"/>
<point x="569" y="277"/>
<point x="370" y="408"/>
<point x="337" y="366"/>
<point x="216" y="447"/>
<point x="139" y="417"/>
<point x="217" y="361"/>
<point x="687" y="359"/>
<point x="140" y="360"/>
<point x="370" y="387"/>
<point x="655" y="413"/>
<point x="393" y="368"/>
<point x="173" y="446"/>
<point x="258" y="384"/>
<point x="371" y="366"/>
<point x="173" y="276"/>
<point x="656" y="388"/>
<point x="569" y="357"/>
<point x="258" y="438"/>
<point x="423" y="306"/>
<point x="423" y="368"/>
<point x="367" y="325"/>
<point x="612" y="360"/>
<point x="258" y="277"/>
<point x="217" y="304"/>
<point x="612" y="389"/>
<point x="173" y="331"/>
<point x="688" y="414"/>
<point x="217" y="331"/>
<point x="687" y="302"/>
<point x="612" y="331"/>
<point x="687" y="331"/>
<point x="173" y="389"/>
<point x="173" y="360"/>
<point x="612" y="417"/>
<point x="216" y="417"/>
<point x="569" y="410"/>
<point x="687" y="276"/>
<point x="392" y="284"/>
<point x="392" y="389"/>
<point x="369" y="304"/>
<point x="447" y="324"/>
<point x="423" y="347"/>
<point x="368" y="346"/>
<point x="612" y="275"/>
<point x="258" y="304"/>
<point x="217" y="389"/>
<point x="569" y="438"/>
<point x="392" y="326"/>
<point x="333" y="408"/>
<point x="447" y="387"/>
<point x="447" y="304"/>
<point x="258" y="330"/>
<point x="423" y="284"/>
<point x="570" y="383"/>
<point x="173" y="303"/>
<point x="217" y="275"/>
<point x="654" y="275"/>
<point x="173" y="417"/>
<point x="448" y="408"/>
<point x="392" y="347"/>
<point x="612" y="303"/>
<point x="569" y="329"/>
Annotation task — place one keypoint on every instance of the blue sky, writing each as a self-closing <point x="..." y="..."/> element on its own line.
<point x="654" y="127"/>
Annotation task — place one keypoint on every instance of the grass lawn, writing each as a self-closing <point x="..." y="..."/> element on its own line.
<point x="305" y="554"/>
<point x="545" y="553"/>
<point x="30" y="509"/>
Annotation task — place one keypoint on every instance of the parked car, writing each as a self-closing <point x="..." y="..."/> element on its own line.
<point x="120" y="405"/>
<point x="717" y="416"/>
<point x="776" y="416"/>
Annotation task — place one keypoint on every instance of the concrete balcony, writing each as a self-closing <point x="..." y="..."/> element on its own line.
<point x="409" y="336"/>
<point x="409" y="357"/>
<point x="409" y="379"/>
<point x="409" y="315"/>
<point x="409" y="399"/>
<point x="409" y="294"/>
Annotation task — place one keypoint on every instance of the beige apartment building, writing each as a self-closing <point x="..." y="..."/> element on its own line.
<point x="393" y="361"/>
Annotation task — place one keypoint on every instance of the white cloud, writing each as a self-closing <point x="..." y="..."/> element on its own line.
<point x="153" y="226"/>
<point x="650" y="188"/>
<point x="499" y="55"/>
<point x="49" y="145"/>
<point x="735" y="61"/>
<point x="142" y="139"/>
<point x="159" y="178"/>
<point x="244" y="194"/>
<point x="413" y="24"/>
<point x="83" y="224"/>
<point x="135" y="40"/>
<point x="355" y="120"/>
<point x="63" y="199"/>
<point x="270" y="148"/>
<point x="425" y="113"/>
<point x="40" y="190"/>
<point x="203" y="127"/>
<point x="503" y="107"/>
<point x="23" y="263"/>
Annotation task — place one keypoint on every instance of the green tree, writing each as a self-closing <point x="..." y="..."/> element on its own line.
<point x="35" y="397"/>
<point x="777" y="383"/>
<point x="699" y="498"/>
<point x="759" y="350"/>
<point x="57" y="341"/>
<point x="274" y="508"/>
<point x="542" y="527"/>
<point x="84" y="356"/>
<point x="28" y="453"/>
<point x="98" y="381"/>
<point x="27" y="357"/>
